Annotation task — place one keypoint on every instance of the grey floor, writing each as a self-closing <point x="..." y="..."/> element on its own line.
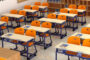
<point x="49" y="54"/>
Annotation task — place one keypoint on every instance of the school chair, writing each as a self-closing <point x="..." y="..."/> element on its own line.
<point x="27" y="7"/>
<point x="62" y="17"/>
<point x="85" y="30"/>
<point x="52" y="16"/>
<point x="45" y="4"/>
<point x="42" y="36"/>
<point x="63" y="10"/>
<point x="35" y="23"/>
<point x="37" y="3"/>
<point x="5" y="19"/>
<point x="82" y="7"/>
<point x="31" y="33"/>
<point x="17" y="31"/>
<point x="86" y="43"/>
<point x="73" y="40"/>
<point x="21" y="12"/>
<point x="73" y="12"/>
<point x="73" y="6"/>
<point x="45" y="11"/>
<point x="35" y="15"/>
<point x="2" y="58"/>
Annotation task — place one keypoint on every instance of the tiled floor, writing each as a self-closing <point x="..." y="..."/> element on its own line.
<point x="49" y="54"/>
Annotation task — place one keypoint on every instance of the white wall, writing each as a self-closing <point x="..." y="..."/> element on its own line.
<point x="7" y="5"/>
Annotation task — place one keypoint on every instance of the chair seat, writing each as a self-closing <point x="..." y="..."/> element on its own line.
<point x="42" y="34"/>
<point x="14" y="41"/>
<point x="60" y="26"/>
<point x="85" y="56"/>
<point x="30" y="43"/>
<point x="43" y="11"/>
<point x="3" y="27"/>
<point x="21" y="20"/>
<point x="71" y="53"/>
<point x="71" y="20"/>
<point x="34" y="15"/>
<point x="80" y="15"/>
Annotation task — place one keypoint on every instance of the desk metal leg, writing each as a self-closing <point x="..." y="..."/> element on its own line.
<point x="56" y="54"/>
<point x="27" y="52"/>
<point x="44" y="43"/>
<point x="2" y="43"/>
<point x="68" y="57"/>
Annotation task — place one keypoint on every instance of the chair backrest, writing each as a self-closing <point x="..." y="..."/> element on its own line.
<point x="74" y="40"/>
<point x="21" y="12"/>
<point x="53" y="16"/>
<point x="45" y="4"/>
<point x="85" y="30"/>
<point x="86" y="42"/>
<point x="35" y="23"/>
<point x="35" y="8"/>
<point x="62" y="17"/>
<point x="14" y="12"/>
<point x="2" y="58"/>
<point x="73" y="12"/>
<point x="73" y="6"/>
<point x="27" y="7"/>
<point x="83" y="7"/>
<point x="31" y="33"/>
<point x="5" y="19"/>
<point x="37" y="3"/>
<point x="63" y="10"/>
<point x="19" y="31"/>
<point x="47" y="25"/>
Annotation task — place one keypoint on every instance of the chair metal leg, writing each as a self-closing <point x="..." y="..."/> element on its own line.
<point x="68" y="57"/>
<point x="79" y="58"/>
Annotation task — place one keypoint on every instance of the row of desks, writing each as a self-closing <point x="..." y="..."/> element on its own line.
<point x="24" y="38"/>
<point x="62" y="47"/>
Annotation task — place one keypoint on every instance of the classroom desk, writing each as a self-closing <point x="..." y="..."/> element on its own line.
<point x="41" y="7"/>
<point x="79" y="10"/>
<point x="81" y="35"/>
<point x="40" y="30"/>
<point x="13" y="15"/>
<point x="56" y="22"/>
<point x="82" y="14"/>
<point x="63" y="47"/>
<point x="30" y="11"/>
<point x="8" y="37"/>
<point x="69" y="16"/>
<point x="66" y="14"/>
<point x="16" y="18"/>
<point x="9" y="54"/>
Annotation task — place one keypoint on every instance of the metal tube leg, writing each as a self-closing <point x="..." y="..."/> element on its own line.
<point x="73" y="25"/>
<point x="79" y="58"/>
<point x="35" y="48"/>
<point x="2" y="43"/>
<point x="27" y="54"/>
<point x="56" y="54"/>
<point x="60" y="32"/>
<point x="16" y="46"/>
<point x="44" y="43"/>
<point x="68" y="58"/>
<point x="82" y="20"/>
<point x="65" y="31"/>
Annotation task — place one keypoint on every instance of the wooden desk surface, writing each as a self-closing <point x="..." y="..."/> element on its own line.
<point x="9" y="54"/>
